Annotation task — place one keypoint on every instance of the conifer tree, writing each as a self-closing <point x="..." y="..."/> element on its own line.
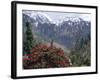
<point x="28" y="42"/>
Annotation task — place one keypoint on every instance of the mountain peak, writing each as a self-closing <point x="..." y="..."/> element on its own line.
<point x="73" y="19"/>
<point x="41" y="17"/>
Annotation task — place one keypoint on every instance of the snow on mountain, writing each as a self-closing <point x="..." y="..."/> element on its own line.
<point x="69" y="20"/>
<point x="73" y="19"/>
<point x="40" y="17"/>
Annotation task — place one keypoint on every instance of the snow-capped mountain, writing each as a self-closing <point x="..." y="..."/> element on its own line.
<point x="73" y="19"/>
<point x="66" y="31"/>
<point x="69" y="20"/>
<point x="40" y="17"/>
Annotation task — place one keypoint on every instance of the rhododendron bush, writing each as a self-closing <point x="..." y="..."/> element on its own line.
<point x="45" y="57"/>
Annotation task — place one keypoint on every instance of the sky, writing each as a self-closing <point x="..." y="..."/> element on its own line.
<point x="57" y="16"/>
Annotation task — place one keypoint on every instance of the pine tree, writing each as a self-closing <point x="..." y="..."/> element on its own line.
<point x="28" y="43"/>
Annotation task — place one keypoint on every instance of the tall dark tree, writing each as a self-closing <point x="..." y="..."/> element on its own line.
<point x="29" y="41"/>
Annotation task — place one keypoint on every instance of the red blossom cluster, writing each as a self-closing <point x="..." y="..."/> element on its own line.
<point x="44" y="56"/>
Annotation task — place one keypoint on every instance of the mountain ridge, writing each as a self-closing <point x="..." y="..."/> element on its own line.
<point x="65" y="33"/>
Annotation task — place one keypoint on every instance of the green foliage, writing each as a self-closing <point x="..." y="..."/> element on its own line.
<point x="29" y="42"/>
<point x="81" y="55"/>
